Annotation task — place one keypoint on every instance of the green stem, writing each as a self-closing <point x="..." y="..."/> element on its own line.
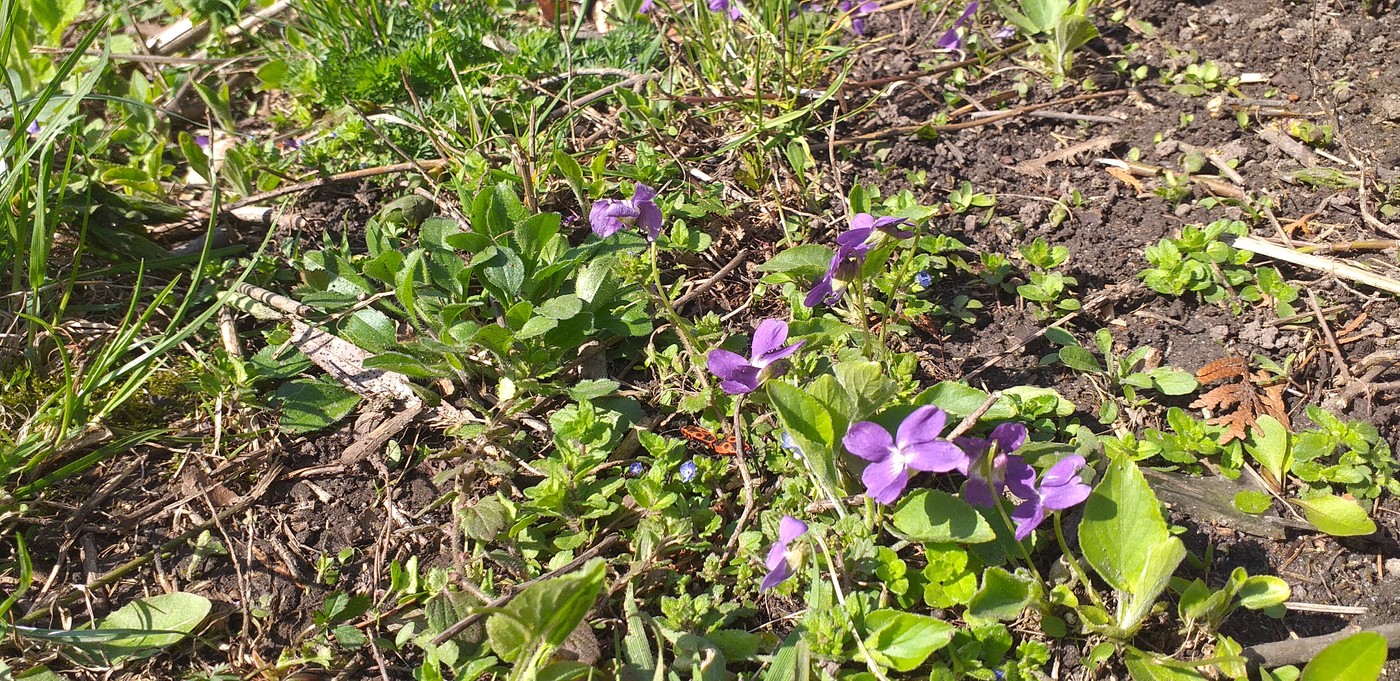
<point x="1026" y="555"/>
<point x="841" y="598"/>
<point x="1075" y="567"/>
<point x="682" y="329"/>
<point x="900" y="279"/>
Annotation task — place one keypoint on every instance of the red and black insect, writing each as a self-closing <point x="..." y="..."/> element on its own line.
<point x="705" y="438"/>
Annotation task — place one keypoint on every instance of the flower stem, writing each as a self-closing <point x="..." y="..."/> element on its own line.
<point x="1075" y="567"/>
<point x="741" y="456"/>
<point x="1026" y="555"/>
<point x="682" y="329"/>
<point x="900" y="279"/>
<point x="841" y="598"/>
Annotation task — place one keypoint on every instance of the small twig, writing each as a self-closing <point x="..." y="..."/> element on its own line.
<point x="967" y="423"/>
<point x="600" y="93"/>
<point x="471" y="619"/>
<point x="1303" y="316"/>
<point x="1313" y="262"/>
<point x="1327" y="334"/>
<point x="428" y="165"/>
<point x="953" y="127"/>
<point x="715" y="278"/>
<point x="1055" y="115"/>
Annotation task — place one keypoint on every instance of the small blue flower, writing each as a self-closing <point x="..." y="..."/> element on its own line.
<point x="999" y="674"/>
<point x="33" y="128"/>
<point x="688" y="471"/>
<point x="924" y="279"/>
<point x="787" y="441"/>
<point x="636" y="470"/>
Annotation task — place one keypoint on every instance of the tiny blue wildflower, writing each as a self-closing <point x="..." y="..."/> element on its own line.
<point x="688" y="471"/>
<point x="923" y="278"/>
<point x="999" y="674"/>
<point x="787" y="441"/>
<point x="33" y="128"/>
<point x="636" y="470"/>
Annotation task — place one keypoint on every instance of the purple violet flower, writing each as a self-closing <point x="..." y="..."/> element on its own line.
<point x="646" y="6"/>
<point x="858" y="12"/>
<point x="741" y="375"/>
<point x="608" y="216"/>
<point x="1007" y="31"/>
<point x="1060" y="488"/>
<point x="783" y="561"/>
<point x="687" y="471"/>
<point x="989" y="460"/>
<point x="202" y="141"/>
<point x="844" y="267"/>
<point x="923" y="279"/>
<point x="951" y="40"/>
<point x="867" y="230"/>
<point x="914" y="447"/>
<point x="33" y="128"/>
<point x="636" y="469"/>
<point x="730" y="6"/>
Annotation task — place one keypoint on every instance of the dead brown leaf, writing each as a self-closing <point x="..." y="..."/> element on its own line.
<point x="1239" y="400"/>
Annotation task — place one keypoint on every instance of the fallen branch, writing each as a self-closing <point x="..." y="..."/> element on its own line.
<point x="1300" y="650"/>
<point x="1313" y="262"/>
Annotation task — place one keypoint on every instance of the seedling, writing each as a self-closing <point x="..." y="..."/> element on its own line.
<point x="1122" y="376"/>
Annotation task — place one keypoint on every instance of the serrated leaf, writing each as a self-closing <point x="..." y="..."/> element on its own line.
<point x="309" y="405"/>
<point x="484" y="519"/>
<point x="546" y="613"/>
<point x="1002" y="596"/>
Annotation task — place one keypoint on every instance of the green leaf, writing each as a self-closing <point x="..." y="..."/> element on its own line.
<point x="1263" y="591"/>
<point x="1268" y="444"/>
<point x="810" y="425"/>
<point x="903" y="640"/>
<point x="1124" y="537"/>
<point x="1078" y="358"/>
<point x="934" y="516"/>
<point x="1003" y="596"/>
<point x="504" y="271"/>
<point x="545" y="614"/>
<point x="143" y="627"/>
<point x="1145" y="667"/>
<point x="1252" y="502"/>
<point x="1336" y="516"/>
<point x="1170" y="381"/>
<point x="866" y="384"/>
<point x="560" y="308"/>
<point x="807" y="260"/>
<point x="369" y="329"/>
<point x="1072" y="33"/>
<point x="1359" y="657"/>
<point x="307" y="405"/>
<point x="590" y="389"/>
<point x="792" y="661"/>
<point x="961" y="400"/>
<point x="484" y="519"/>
